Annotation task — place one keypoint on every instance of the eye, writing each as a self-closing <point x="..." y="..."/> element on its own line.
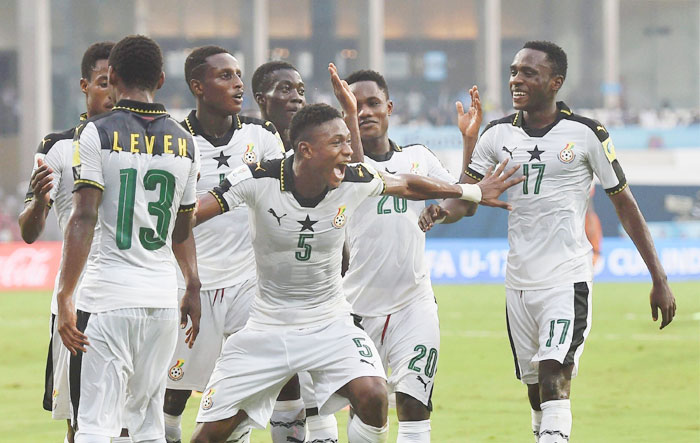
<point x="301" y="91"/>
<point x="285" y="89"/>
<point x="226" y="75"/>
<point x="513" y="72"/>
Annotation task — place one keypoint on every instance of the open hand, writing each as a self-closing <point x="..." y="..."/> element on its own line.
<point x="662" y="299"/>
<point x="41" y="182"/>
<point x="493" y="185"/>
<point x="191" y="306"/>
<point x="71" y="336"/>
<point x="469" y="121"/>
<point x="342" y="92"/>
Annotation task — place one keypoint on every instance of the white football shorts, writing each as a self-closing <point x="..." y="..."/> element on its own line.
<point x="548" y="324"/>
<point x="56" y="392"/>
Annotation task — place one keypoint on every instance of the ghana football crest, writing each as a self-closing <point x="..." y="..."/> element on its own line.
<point x="414" y="168"/>
<point x="567" y="154"/>
<point x="207" y="401"/>
<point x="340" y="218"/>
<point x="249" y="156"/>
<point x="176" y="372"/>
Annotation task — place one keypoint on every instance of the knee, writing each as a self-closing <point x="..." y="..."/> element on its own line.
<point x="410" y="409"/>
<point x="372" y="398"/>
<point x="554" y="381"/>
<point x="175" y="401"/>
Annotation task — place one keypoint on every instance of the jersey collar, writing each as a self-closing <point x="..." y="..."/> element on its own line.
<point x="519" y="121"/>
<point x="393" y="147"/>
<point x="83" y="117"/>
<point x="195" y="128"/>
<point x="140" y="107"/>
<point x="287" y="184"/>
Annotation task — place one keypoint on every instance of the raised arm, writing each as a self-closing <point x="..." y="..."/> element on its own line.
<point x="185" y="254"/>
<point x="486" y="192"/>
<point x="632" y="220"/>
<point x="76" y="248"/>
<point x="469" y="122"/>
<point x="348" y="102"/>
<point x="33" y="217"/>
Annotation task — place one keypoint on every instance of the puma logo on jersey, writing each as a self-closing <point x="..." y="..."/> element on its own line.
<point x="279" y="219"/>
<point x="425" y="383"/>
<point x="509" y="152"/>
<point x="368" y="362"/>
<point x="259" y="168"/>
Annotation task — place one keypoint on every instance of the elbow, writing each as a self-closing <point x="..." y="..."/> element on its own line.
<point x="27" y="230"/>
<point x="471" y="210"/>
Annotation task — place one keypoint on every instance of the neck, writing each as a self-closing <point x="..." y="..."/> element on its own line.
<point x="138" y="95"/>
<point x="376" y="146"/>
<point x="213" y="123"/>
<point x="540" y="118"/>
<point x="307" y="183"/>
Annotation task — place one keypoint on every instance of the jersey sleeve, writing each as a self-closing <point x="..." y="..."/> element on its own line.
<point x="87" y="159"/>
<point x="272" y="146"/>
<point x="436" y="169"/>
<point x="53" y="160"/>
<point x="483" y="157"/>
<point x="603" y="161"/>
<point x="237" y="188"/>
<point x="189" y="197"/>
<point x="372" y="180"/>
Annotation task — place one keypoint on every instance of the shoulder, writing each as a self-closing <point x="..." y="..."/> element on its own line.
<point x="359" y="173"/>
<point x="50" y="140"/>
<point x="267" y="168"/>
<point x="594" y="125"/>
<point x="262" y="124"/>
<point x="96" y="121"/>
<point x="509" y="119"/>
<point x="420" y="148"/>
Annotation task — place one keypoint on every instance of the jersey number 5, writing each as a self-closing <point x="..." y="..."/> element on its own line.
<point x="306" y="253"/>
<point x="150" y="240"/>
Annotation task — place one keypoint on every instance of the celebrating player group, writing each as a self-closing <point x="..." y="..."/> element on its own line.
<point x="277" y="265"/>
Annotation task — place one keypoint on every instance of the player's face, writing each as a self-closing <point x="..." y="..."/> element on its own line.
<point x="221" y="87"/>
<point x="373" y="109"/>
<point x="284" y="97"/>
<point x="331" y="151"/>
<point x="96" y="90"/>
<point x="532" y="85"/>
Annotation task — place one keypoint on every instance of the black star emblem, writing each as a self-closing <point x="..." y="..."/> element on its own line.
<point x="222" y="159"/>
<point x="307" y="224"/>
<point x="535" y="154"/>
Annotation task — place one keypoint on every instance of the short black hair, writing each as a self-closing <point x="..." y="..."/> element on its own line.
<point x="310" y="116"/>
<point x="138" y="61"/>
<point x="262" y="76"/>
<point x="555" y="54"/>
<point x="367" y="75"/>
<point x="198" y="57"/>
<point x="93" y="54"/>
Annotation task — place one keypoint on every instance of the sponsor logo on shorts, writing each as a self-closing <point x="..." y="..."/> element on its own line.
<point x="249" y="156"/>
<point x="207" y="401"/>
<point x="176" y="372"/>
<point x="567" y="154"/>
<point x="425" y="383"/>
<point x="340" y="218"/>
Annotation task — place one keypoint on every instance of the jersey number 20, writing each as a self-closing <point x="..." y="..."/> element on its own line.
<point x="150" y="240"/>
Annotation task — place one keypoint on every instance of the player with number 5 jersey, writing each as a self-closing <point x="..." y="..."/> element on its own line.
<point x="137" y="168"/>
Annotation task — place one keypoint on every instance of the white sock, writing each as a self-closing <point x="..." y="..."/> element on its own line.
<point x="321" y="428"/>
<point x="414" y="431"/>
<point x="240" y="435"/>
<point x="288" y="420"/>
<point x="173" y="429"/>
<point x="556" y="421"/>
<point x="358" y="432"/>
<point x="536" y="421"/>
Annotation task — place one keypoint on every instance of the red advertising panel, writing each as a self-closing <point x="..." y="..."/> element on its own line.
<point x="24" y="266"/>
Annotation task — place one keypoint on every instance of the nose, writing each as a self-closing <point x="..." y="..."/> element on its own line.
<point x="347" y="149"/>
<point x="363" y="110"/>
<point x="515" y="79"/>
<point x="296" y="98"/>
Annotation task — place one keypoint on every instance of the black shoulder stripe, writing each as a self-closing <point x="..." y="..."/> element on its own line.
<point x="357" y="173"/>
<point x="507" y="119"/>
<point x="622" y="180"/>
<point x="594" y="125"/>
<point x="47" y="142"/>
<point x="256" y="121"/>
<point x="268" y="168"/>
<point x="473" y="174"/>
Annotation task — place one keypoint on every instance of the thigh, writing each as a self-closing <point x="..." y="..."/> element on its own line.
<point x="251" y="371"/>
<point x="523" y="334"/>
<point x="190" y="368"/>
<point x="413" y="345"/>
<point x="335" y="355"/>
<point x="238" y="299"/>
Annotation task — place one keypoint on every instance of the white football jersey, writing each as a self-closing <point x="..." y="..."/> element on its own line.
<point x="298" y="242"/>
<point x="56" y="150"/>
<point x="224" y="252"/>
<point x="548" y="244"/>
<point x="387" y="269"/>
<point x="146" y="164"/>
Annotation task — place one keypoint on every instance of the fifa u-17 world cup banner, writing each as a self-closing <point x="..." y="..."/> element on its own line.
<point x="458" y="261"/>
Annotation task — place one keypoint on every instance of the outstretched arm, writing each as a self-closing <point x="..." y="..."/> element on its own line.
<point x="486" y="192"/>
<point x="632" y="220"/>
<point x="185" y="254"/>
<point x="348" y="102"/>
<point x="76" y="247"/>
<point x="207" y="207"/>
<point x="33" y="217"/>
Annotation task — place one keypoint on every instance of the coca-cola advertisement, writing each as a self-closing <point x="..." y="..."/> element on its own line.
<point x="24" y="266"/>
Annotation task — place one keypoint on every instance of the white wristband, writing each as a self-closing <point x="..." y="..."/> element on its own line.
<point x="470" y="192"/>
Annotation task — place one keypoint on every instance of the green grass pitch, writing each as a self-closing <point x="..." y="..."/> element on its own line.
<point x="636" y="383"/>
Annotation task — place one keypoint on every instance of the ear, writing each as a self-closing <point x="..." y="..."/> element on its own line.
<point x="196" y="87"/>
<point x="557" y="82"/>
<point x="259" y="98"/>
<point x="304" y="149"/>
<point x="112" y="77"/>
<point x="389" y="107"/>
<point x="161" y="80"/>
<point x="83" y="85"/>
